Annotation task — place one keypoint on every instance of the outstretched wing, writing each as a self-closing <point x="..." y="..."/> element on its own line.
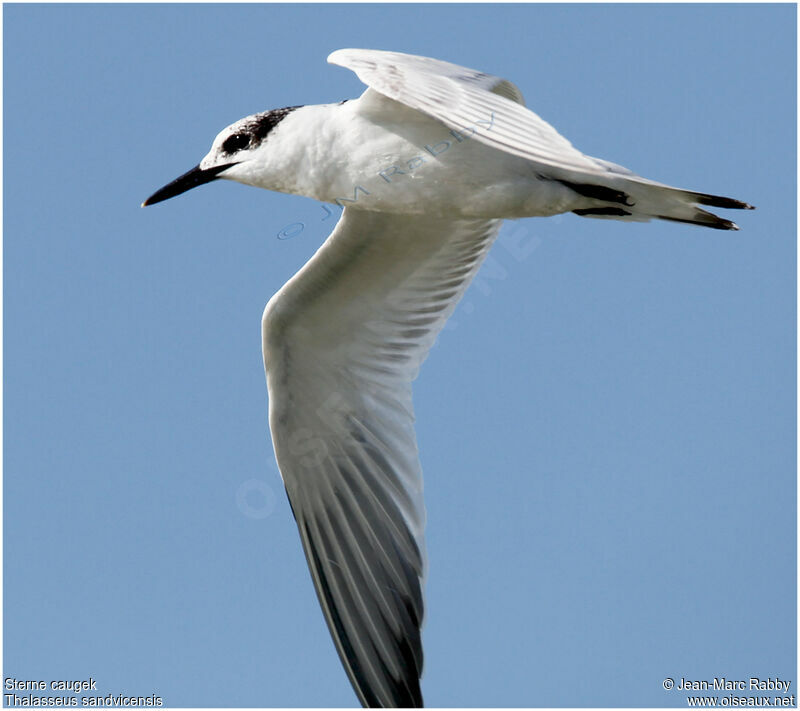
<point x="343" y="340"/>
<point x="461" y="97"/>
<point x="458" y="97"/>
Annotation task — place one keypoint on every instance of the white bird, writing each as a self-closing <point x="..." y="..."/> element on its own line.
<point x="425" y="164"/>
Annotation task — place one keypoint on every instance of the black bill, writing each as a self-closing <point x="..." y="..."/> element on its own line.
<point x="196" y="176"/>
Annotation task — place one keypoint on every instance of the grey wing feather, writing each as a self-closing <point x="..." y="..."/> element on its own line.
<point x="461" y="98"/>
<point x="343" y="341"/>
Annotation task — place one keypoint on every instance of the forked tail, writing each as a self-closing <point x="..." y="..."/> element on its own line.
<point x="637" y="199"/>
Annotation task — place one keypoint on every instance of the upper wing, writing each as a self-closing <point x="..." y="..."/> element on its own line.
<point x="458" y="97"/>
<point x="343" y="339"/>
<point x="461" y="97"/>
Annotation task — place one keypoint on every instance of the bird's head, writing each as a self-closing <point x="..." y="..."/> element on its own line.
<point x="239" y="153"/>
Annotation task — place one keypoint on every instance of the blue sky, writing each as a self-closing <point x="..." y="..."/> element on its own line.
<point x="607" y="427"/>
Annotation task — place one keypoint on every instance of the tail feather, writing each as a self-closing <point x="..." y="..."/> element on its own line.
<point x="624" y="195"/>
<point x="637" y="199"/>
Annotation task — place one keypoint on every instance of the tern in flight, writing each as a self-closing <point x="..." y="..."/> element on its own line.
<point x="426" y="164"/>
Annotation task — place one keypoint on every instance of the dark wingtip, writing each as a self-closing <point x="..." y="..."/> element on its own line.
<point x="724" y="202"/>
<point x="598" y="192"/>
<point x="600" y="211"/>
<point x="703" y="219"/>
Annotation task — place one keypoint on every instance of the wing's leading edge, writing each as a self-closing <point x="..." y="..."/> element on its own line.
<point x="343" y="340"/>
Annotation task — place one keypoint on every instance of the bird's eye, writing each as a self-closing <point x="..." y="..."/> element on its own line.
<point x="235" y="143"/>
